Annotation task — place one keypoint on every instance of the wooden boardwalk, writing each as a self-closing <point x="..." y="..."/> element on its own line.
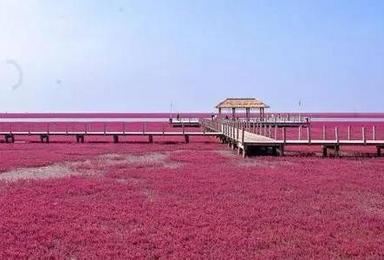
<point x="240" y="135"/>
<point x="245" y="136"/>
<point x="10" y="136"/>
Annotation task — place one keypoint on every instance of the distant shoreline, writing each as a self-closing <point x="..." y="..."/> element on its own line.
<point x="335" y="115"/>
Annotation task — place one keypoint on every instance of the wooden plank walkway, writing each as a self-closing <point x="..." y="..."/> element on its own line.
<point x="238" y="134"/>
<point x="9" y="136"/>
<point x="243" y="136"/>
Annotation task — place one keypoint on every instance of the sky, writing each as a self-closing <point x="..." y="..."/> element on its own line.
<point x="149" y="55"/>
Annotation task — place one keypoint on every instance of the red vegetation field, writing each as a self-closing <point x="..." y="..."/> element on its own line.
<point x="176" y="200"/>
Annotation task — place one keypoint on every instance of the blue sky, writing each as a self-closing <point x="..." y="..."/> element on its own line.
<point x="141" y="55"/>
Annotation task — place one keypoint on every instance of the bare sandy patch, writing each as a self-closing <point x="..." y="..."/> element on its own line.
<point x="259" y="162"/>
<point x="371" y="203"/>
<point x="263" y="163"/>
<point x="150" y="159"/>
<point x="227" y="153"/>
<point x="38" y="173"/>
<point x="93" y="166"/>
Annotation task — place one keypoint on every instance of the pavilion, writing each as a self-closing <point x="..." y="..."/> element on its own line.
<point x="242" y="104"/>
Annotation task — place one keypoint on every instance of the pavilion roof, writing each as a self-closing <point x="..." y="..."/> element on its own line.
<point x="242" y="103"/>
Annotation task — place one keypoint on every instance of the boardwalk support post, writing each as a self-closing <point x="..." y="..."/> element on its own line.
<point x="325" y="151"/>
<point x="150" y="137"/>
<point x="334" y="147"/>
<point x="379" y="151"/>
<point x="44" y="138"/>
<point x="80" y="138"/>
<point x="337" y="150"/>
<point x="9" y="138"/>
<point x="115" y="139"/>
<point x="186" y="137"/>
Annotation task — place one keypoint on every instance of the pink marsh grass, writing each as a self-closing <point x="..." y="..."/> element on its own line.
<point x="197" y="200"/>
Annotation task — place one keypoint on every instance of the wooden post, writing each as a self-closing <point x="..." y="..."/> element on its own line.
<point x="182" y="125"/>
<point x="349" y="133"/>
<point x="115" y="139"/>
<point x="337" y="134"/>
<point x="299" y="132"/>
<point x="269" y="131"/>
<point x="80" y="138"/>
<point x="124" y="126"/>
<point x="150" y="137"/>
<point x="242" y="136"/>
<point x="309" y="134"/>
<point x="325" y="151"/>
<point x="85" y="127"/>
<point x="237" y="132"/>
<point x="363" y="135"/>
<point x="374" y="133"/>
<point x="284" y="135"/>
<point x="143" y="128"/>
<point x="324" y="132"/>
<point x="275" y="132"/>
<point x="105" y="129"/>
<point x="186" y="139"/>
<point x="378" y="151"/>
<point x="337" y="150"/>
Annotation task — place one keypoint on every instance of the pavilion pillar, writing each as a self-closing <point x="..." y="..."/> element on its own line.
<point x="233" y="113"/>
<point x="262" y="114"/>
<point x="248" y="113"/>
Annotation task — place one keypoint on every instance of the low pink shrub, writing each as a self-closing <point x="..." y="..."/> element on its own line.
<point x="212" y="204"/>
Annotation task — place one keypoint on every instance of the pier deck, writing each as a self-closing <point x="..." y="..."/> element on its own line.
<point x="9" y="136"/>
<point x="245" y="136"/>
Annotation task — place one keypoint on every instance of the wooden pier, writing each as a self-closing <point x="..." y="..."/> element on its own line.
<point x="9" y="137"/>
<point x="244" y="136"/>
